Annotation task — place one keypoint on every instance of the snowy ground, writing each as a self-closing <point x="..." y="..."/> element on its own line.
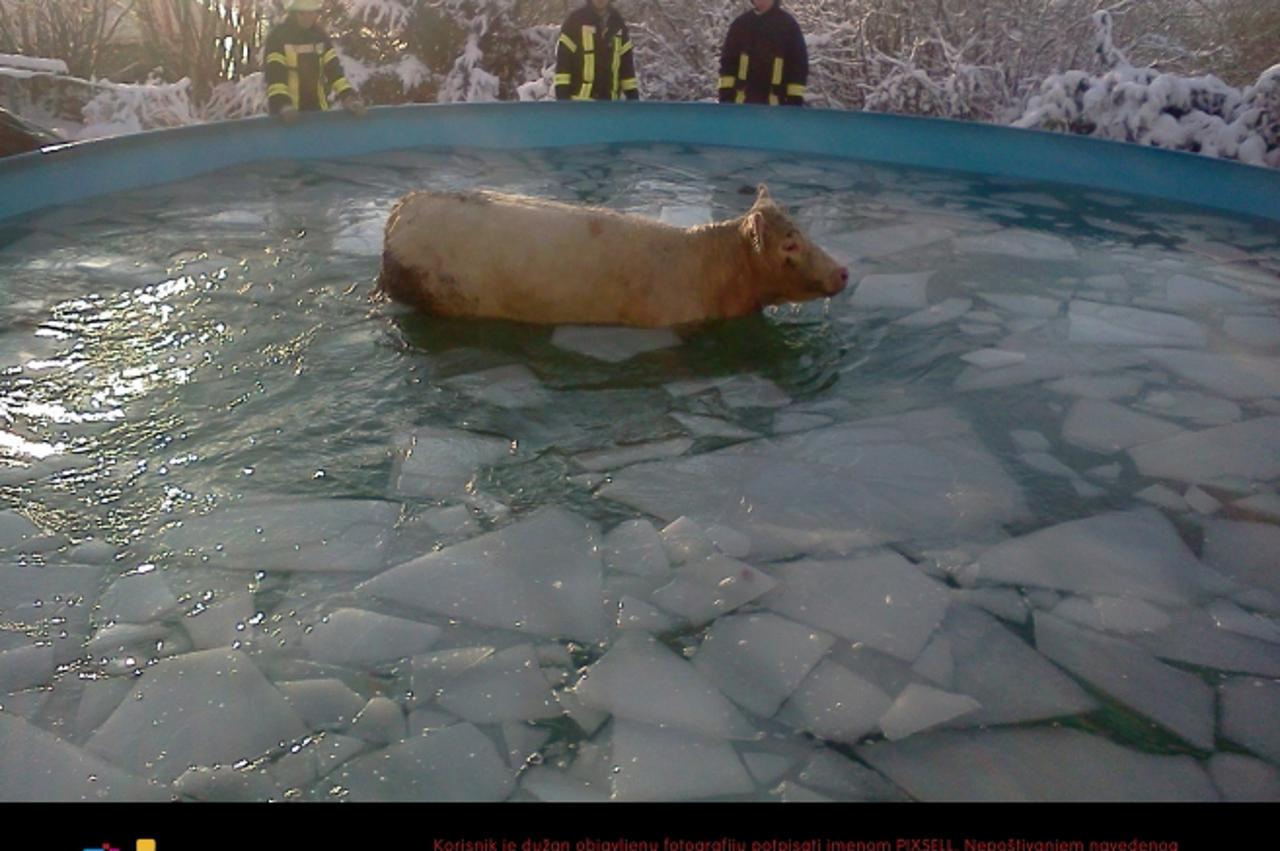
<point x="1010" y="501"/>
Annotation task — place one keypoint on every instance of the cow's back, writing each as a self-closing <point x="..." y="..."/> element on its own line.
<point x="492" y="255"/>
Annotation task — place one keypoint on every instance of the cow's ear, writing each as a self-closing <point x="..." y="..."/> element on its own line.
<point x="762" y="195"/>
<point x="753" y="229"/>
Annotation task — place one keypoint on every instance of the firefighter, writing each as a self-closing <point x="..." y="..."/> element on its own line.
<point x="594" y="59"/>
<point x="302" y="70"/>
<point x="764" y="59"/>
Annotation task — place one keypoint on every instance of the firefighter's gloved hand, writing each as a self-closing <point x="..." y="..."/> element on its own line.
<point x="288" y="114"/>
<point x="354" y="104"/>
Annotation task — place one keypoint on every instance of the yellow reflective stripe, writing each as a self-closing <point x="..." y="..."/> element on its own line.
<point x="341" y="85"/>
<point x="331" y="53"/>
<point x="581" y="97"/>
<point x="617" y="64"/>
<point x="588" y="58"/>
<point x="320" y="95"/>
<point x="629" y="84"/>
<point x="278" y="57"/>
<point x="740" y="97"/>
<point x="563" y="79"/>
<point x="277" y="89"/>
<point x="773" y="99"/>
<point x="568" y="42"/>
<point x="795" y="90"/>
<point x="727" y="82"/>
<point x="625" y="47"/>
<point x="588" y="38"/>
<point x="777" y="70"/>
<point x="291" y="60"/>
<point x="742" y="66"/>
<point x="585" y="92"/>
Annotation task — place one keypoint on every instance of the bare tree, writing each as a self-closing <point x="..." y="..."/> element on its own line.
<point x="75" y="31"/>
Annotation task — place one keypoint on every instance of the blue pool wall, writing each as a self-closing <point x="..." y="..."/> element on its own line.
<point x="69" y="173"/>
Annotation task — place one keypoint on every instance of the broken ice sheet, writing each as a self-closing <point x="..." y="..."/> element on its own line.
<point x="892" y="291"/>
<point x="920" y="707"/>
<point x="1093" y="323"/>
<point x="1107" y="427"/>
<point x="620" y="456"/>
<point x="288" y="535"/>
<point x="639" y="679"/>
<point x="835" y="703"/>
<point x="937" y="314"/>
<point x="1249" y="449"/>
<point x="1034" y="765"/>
<point x="513" y="386"/>
<point x="457" y="763"/>
<point x="204" y="708"/>
<point x="40" y="767"/>
<point x="758" y="660"/>
<point x="657" y="764"/>
<point x="1249" y="711"/>
<point x="541" y="575"/>
<point x="1236" y="376"/>
<point x="505" y="686"/>
<point x="613" y="344"/>
<point x="703" y="590"/>
<point x="359" y="638"/>
<point x="440" y="462"/>
<point x="882" y="600"/>
<point x="1015" y="242"/>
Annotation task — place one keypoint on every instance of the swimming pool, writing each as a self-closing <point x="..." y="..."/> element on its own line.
<point x="1008" y="502"/>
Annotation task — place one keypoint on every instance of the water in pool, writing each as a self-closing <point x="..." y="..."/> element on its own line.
<point x="998" y="522"/>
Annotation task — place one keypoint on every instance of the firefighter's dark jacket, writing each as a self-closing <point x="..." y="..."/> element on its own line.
<point x="764" y="59"/>
<point x="594" y="59"/>
<point x="302" y="68"/>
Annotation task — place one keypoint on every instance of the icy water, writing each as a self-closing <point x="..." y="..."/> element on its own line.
<point x="998" y="522"/>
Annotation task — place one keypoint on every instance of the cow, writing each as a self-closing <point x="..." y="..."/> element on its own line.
<point x="491" y="255"/>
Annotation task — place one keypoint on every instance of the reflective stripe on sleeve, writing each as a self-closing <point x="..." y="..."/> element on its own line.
<point x="740" y="97"/>
<point x="625" y="47"/>
<point x="278" y="58"/>
<point x="278" y="89"/>
<point x="727" y="82"/>
<point x="563" y="79"/>
<point x="742" y="66"/>
<point x="795" y="90"/>
<point x="331" y="53"/>
<point x="341" y="85"/>
<point x="777" y="70"/>
<point x="568" y="42"/>
<point x="630" y="84"/>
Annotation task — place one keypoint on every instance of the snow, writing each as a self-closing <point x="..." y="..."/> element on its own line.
<point x="881" y="600"/>
<point x="613" y="345"/>
<point x="1034" y="765"/>
<point x="1130" y="553"/>
<point x="1175" y="699"/>
<point x="638" y="679"/>
<point x="540" y="575"/>
<point x="758" y="660"/>
<point x="203" y="708"/>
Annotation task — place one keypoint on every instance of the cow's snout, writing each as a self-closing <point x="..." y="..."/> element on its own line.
<point x="838" y="281"/>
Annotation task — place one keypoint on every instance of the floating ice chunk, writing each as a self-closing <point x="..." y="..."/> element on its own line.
<point x="452" y="520"/>
<point x="1046" y="463"/>
<point x="1133" y="553"/>
<point x="634" y="613"/>
<point x="1034" y="765"/>
<point x="767" y="768"/>
<point x="1096" y="387"/>
<point x="202" y="708"/>
<point x="656" y="764"/>
<point x="1260" y="331"/>
<point x="700" y="426"/>
<point x="1029" y="441"/>
<point x="1200" y="502"/>
<point x="1236" y="376"/>
<point x="1093" y="323"/>
<point x="921" y="707"/>
<point x="326" y="704"/>
<point x="993" y="358"/>
<point x="1263" y="505"/>
<point x="706" y="589"/>
<point x="1163" y="497"/>
<point x="834" y="489"/>
<point x="1107" y="282"/>
<point x="457" y="763"/>
<point x="16" y="530"/>
<point x="640" y="680"/>
<point x="975" y="330"/>
<point x="513" y="386"/>
<point x="1231" y="617"/>
<point x="1249" y="711"/>
<point x="1241" y="778"/>
<point x="1179" y="701"/>
<point x="439" y="462"/>
<point x="1195" y="638"/>
<point x="611" y="344"/>
<point x="433" y="671"/>
<point x="541" y="575"/>
<point x="358" y="638"/>
<point x="1121" y="615"/>
<point x="1015" y="242"/>
<point x="759" y="660"/>
<point x="380" y="722"/>
<point x="1250" y="449"/>
<point x="789" y="792"/>
<point x="24" y="667"/>
<point x="936" y="663"/>
<point x="1186" y="291"/>
<point x="1248" y="552"/>
<point x="684" y="541"/>
<point x="1024" y="305"/>
<point x="730" y="541"/>
<point x="225" y="783"/>
<point x="362" y="237"/>
<point x="634" y="546"/>
<point x="751" y="391"/>
<point x="1188" y="405"/>
<point x="909" y="291"/>
<point x="834" y="703"/>
<point x="507" y="686"/>
<point x="523" y="741"/>
<point x="299" y="535"/>
<point x="937" y="314"/>
<point x="548" y="784"/>
<point x="1002" y="602"/>
<point x="1047" y="363"/>
<point x="845" y="779"/>
<point x="882" y="242"/>
<point x="882" y="600"/>
<point x="1002" y="672"/>
<point x="220" y="623"/>
<point x="621" y="456"/>
<point x="1107" y="427"/>
<point x="790" y="422"/>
